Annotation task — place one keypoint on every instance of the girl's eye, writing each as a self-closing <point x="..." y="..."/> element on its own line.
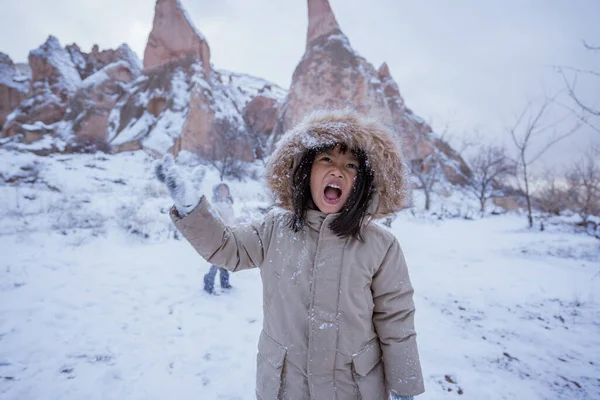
<point x="326" y="159"/>
<point x="352" y="166"/>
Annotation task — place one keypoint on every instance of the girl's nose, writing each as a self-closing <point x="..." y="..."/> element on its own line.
<point x="337" y="173"/>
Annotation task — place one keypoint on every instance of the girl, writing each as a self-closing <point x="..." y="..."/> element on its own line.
<point x="223" y="202"/>
<point x="337" y="299"/>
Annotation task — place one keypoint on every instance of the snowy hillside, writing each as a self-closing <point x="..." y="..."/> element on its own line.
<point x="99" y="300"/>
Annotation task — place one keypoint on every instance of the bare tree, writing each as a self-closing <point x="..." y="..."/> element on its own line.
<point x="552" y="197"/>
<point x="258" y="141"/>
<point x="427" y="171"/>
<point x="531" y="124"/>
<point x="585" y="111"/>
<point x="489" y="165"/>
<point x="426" y="166"/>
<point x="590" y="47"/>
<point x="584" y="185"/>
<point x="224" y="154"/>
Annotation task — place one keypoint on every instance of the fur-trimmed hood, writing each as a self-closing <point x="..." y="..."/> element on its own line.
<point x="326" y="127"/>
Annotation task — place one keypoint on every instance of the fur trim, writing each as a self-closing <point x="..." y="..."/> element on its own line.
<point x="327" y="127"/>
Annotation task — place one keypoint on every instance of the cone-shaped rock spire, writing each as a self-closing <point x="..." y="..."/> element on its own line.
<point x="174" y="36"/>
<point x="321" y="20"/>
<point x="331" y="75"/>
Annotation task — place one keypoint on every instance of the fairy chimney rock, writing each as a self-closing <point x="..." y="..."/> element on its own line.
<point x="174" y="36"/>
<point x="321" y="20"/>
<point x="330" y="74"/>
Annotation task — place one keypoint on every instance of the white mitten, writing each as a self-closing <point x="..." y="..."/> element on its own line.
<point x="183" y="190"/>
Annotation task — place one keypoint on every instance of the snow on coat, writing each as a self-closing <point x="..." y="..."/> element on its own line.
<point x="338" y="313"/>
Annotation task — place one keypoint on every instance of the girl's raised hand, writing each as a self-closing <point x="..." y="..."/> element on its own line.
<point x="183" y="189"/>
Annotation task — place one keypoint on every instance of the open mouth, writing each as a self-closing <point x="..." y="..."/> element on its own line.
<point x="332" y="193"/>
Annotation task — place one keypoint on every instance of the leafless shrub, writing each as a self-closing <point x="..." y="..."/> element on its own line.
<point x="224" y="154"/>
<point x="69" y="216"/>
<point x="534" y="122"/>
<point x="588" y="113"/>
<point x="427" y="171"/>
<point x="584" y="185"/>
<point x="489" y="166"/>
<point x="552" y="197"/>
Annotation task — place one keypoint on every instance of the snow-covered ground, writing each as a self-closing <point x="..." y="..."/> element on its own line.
<point x="99" y="300"/>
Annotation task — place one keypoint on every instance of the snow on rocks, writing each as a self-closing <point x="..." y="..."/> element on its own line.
<point x="14" y="86"/>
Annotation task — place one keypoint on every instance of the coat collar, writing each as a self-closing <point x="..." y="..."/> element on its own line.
<point x="316" y="218"/>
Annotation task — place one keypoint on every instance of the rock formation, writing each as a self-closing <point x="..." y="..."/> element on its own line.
<point x="173" y="101"/>
<point x="332" y="75"/>
<point x="176" y="100"/>
<point x="88" y="64"/>
<point x="72" y="93"/>
<point x="260" y="115"/>
<point x="182" y="103"/>
<point x="14" y="86"/>
<point x="90" y="107"/>
<point x="321" y="21"/>
<point x="174" y="36"/>
<point x="54" y="79"/>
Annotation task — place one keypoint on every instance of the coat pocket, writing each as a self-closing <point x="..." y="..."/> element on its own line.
<point x="367" y="370"/>
<point x="269" y="368"/>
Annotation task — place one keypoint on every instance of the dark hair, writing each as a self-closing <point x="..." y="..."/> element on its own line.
<point x="217" y="198"/>
<point x="351" y="217"/>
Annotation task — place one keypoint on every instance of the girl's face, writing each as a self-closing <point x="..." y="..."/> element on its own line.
<point x="223" y="191"/>
<point x="331" y="179"/>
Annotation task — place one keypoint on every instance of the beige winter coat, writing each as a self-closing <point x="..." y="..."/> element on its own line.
<point x="338" y="313"/>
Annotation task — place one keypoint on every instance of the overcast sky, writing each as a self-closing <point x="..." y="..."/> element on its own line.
<point x="468" y="64"/>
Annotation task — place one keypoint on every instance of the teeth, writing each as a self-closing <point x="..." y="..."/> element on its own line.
<point x="333" y="185"/>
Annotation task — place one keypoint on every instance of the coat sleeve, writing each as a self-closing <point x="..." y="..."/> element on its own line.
<point x="393" y="318"/>
<point x="232" y="247"/>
